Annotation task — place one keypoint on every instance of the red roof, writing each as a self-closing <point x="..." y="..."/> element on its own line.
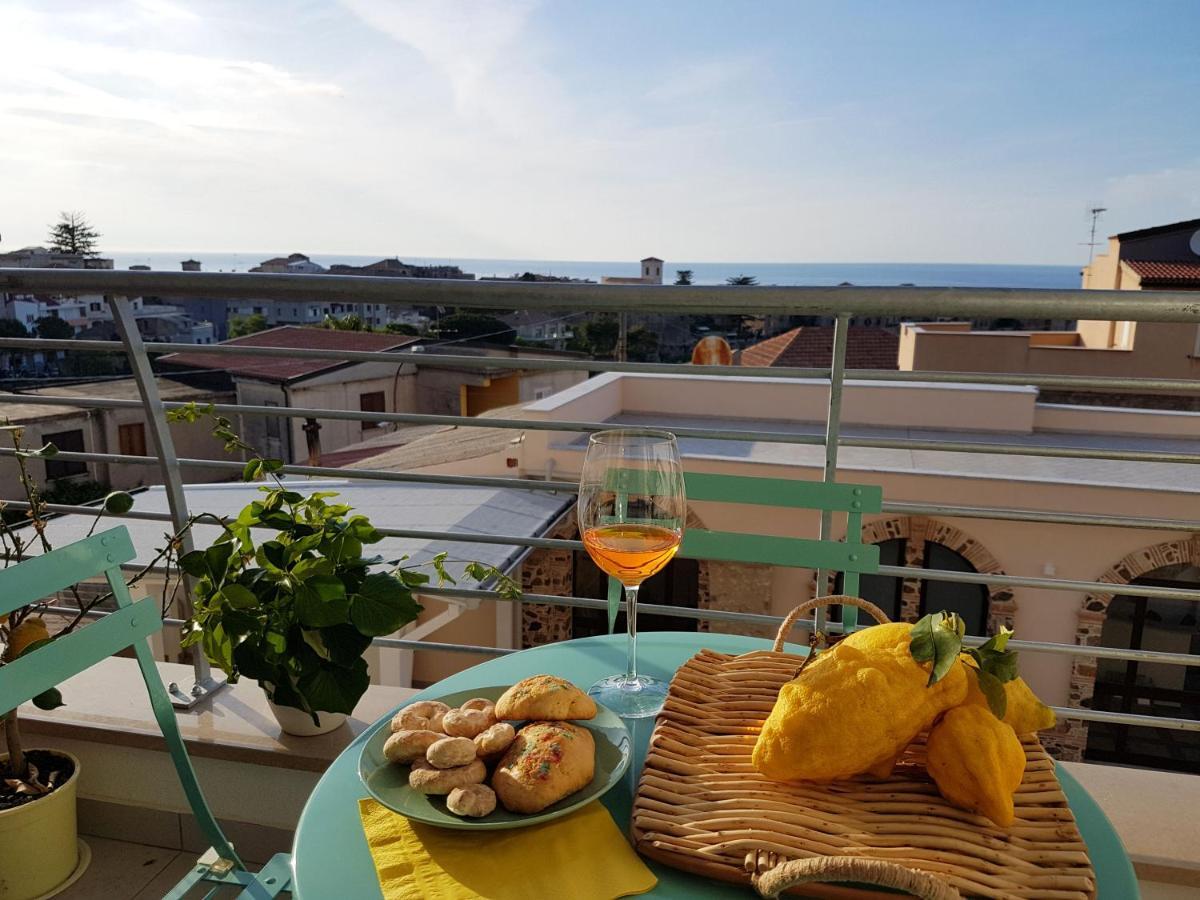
<point x="1185" y="274"/>
<point x="282" y="368"/>
<point x="812" y="347"/>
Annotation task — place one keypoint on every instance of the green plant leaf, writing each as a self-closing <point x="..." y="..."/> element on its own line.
<point x="50" y="698"/>
<point x="307" y="568"/>
<point x="935" y="639"/>
<point x="382" y="605"/>
<point x="194" y="563"/>
<point x="345" y="643"/>
<point x="993" y="690"/>
<point x="252" y="470"/>
<point x="272" y="555"/>
<point x="252" y="662"/>
<point x="118" y="503"/>
<point x="238" y="623"/>
<point x="238" y="597"/>
<point x="313" y="638"/>
<point x="321" y="601"/>
<point x="217" y="558"/>
<point x="218" y="647"/>
<point x="331" y="688"/>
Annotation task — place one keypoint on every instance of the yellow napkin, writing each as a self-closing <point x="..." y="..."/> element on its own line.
<point x="582" y="856"/>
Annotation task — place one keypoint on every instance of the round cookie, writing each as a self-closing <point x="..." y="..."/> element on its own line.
<point x="495" y="739"/>
<point x="425" y="779"/>
<point x="424" y="715"/>
<point x="474" y="800"/>
<point x="465" y="722"/>
<point x="405" y="746"/>
<point x="450" y="752"/>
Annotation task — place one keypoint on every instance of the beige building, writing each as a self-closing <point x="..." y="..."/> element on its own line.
<point x="1011" y="416"/>
<point x="1162" y="258"/>
<point x="79" y="429"/>
<point x="384" y="387"/>
<point x="652" y="269"/>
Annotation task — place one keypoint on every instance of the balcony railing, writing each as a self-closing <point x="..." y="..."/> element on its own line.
<point x="842" y="303"/>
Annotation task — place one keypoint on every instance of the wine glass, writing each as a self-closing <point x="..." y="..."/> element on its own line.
<point x="631" y="513"/>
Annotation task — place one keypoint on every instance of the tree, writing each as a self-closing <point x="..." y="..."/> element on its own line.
<point x="597" y="337"/>
<point x="240" y="326"/>
<point x="54" y="329"/>
<point x="683" y="276"/>
<point x="401" y="328"/>
<point x="74" y="234"/>
<point x="13" y="328"/>
<point x="741" y="280"/>
<point x="469" y="326"/>
<point x="641" y="345"/>
<point x="352" y="322"/>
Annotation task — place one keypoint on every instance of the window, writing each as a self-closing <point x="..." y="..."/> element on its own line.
<point x="1149" y="688"/>
<point x="882" y="590"/>
<point x="676" y="585"/>
<point x="131" y="439"/>
<point x="372" y="402"/>
<point x="968" y="600"/>
<point x="68" y="441"/>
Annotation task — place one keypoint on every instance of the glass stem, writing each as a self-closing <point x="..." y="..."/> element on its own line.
<point x="631" y="595"/>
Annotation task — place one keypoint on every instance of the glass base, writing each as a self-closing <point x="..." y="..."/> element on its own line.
<point x="630" y="698"/>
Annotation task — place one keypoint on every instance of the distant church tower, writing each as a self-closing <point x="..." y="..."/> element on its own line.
<point x="652" y="268"/>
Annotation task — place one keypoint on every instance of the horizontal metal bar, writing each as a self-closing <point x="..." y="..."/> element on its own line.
<point x="1038" y="515"/>
<point x="1154" y="656"/>
<point x="1019" y="450"/>
<point x="522" y="484"/>
<point x="401" y="644"/>
<point x="930" y="302"/>
<point x="1096" y="715"/>
<point x="441" y="360"/>
<point x="1050" y="584"/>
<point x="460" y="361"/>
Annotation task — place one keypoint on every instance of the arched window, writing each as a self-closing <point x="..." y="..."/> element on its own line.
<point x="676" y="585"/>
<point x="1147" y="688"/>
<point x="882" y="590"/>
<point x="970" y="601"/>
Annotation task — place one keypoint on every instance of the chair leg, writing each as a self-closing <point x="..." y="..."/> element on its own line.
<point x="273" y="879"/>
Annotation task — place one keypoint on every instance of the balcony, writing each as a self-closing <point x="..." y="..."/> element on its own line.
<point x="1072" y="523"/>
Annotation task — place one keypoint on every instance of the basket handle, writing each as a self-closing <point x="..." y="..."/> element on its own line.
<point x="837" y="599"/>
<point x="772" y="877"/>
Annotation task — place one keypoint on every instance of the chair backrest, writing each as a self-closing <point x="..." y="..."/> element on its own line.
<point x="851" y="557"/>
<point x="44" y="667"/>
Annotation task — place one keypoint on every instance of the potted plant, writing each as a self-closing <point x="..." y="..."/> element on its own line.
<point x="286" y="596"/>
<point x="39" y="845"/>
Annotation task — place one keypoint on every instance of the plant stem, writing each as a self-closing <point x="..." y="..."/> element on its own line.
<point x="16" y="754"/>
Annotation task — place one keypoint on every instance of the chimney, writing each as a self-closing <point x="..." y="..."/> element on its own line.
<point x="190" y="265"/>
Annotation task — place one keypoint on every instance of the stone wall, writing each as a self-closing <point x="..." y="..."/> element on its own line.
<point x="548" y="572"/>
<point x="735" y="587"/>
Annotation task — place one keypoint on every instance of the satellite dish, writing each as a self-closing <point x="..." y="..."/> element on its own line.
<point x="1194" y="244"/>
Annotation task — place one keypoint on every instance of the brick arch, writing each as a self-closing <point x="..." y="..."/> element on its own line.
<point x="1070" y="737"/>
<point x="552" y="572"/>
<point x="916" y="532"/>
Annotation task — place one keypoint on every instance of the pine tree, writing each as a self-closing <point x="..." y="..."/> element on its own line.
<point x="74" y="234"/>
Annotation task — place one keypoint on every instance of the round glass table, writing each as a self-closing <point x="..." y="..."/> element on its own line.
<point x="330" y="856"/>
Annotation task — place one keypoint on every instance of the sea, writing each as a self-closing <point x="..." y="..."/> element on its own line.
<point x="776" y="273"/>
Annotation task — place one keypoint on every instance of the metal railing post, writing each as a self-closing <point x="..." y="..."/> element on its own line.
<point x="833" y="430"/>
<point x="204" y="682"/>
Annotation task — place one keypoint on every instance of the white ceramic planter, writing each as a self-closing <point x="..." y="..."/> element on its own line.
<point x="297" y="722"/>
<point x="40" y="852"/>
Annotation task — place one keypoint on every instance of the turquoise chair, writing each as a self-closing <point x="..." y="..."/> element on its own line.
<point x="851" y="557"/>
<point x="129" y="626"/>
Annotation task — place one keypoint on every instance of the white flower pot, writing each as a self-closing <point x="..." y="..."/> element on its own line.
<point x="297" y="722"/>
<point x="40" y="850"/>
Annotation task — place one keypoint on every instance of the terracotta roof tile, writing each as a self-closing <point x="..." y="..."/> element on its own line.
<point x="280" y="369"/>
<point x="812" y="347"/>
<point x="1175" y="273"/>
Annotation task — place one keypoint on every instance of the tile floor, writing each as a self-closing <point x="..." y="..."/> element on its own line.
<point x="121" y="870"/>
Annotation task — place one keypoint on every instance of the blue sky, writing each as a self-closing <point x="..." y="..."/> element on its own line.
<point x="790" y="131"/>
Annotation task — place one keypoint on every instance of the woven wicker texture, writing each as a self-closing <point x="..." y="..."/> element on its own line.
<point x="702" y="807"/>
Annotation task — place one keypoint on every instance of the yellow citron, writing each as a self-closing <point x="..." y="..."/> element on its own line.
<point x="976" y="761"/>
<point x="854" y="709"/>
<point x="1023" y="710"/>
<point x="28" y="632"/>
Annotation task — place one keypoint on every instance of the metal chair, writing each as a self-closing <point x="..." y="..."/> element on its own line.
<point x="851" y="557"/>
<point x="129" y="626"/>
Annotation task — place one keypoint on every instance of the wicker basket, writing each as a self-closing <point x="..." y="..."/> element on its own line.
<point x="702" y="807"/>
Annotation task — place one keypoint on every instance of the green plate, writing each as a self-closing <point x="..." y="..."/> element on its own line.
<point x="388" y="782"/>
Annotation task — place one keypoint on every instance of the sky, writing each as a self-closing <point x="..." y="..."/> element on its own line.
<point x="792" y="131"/>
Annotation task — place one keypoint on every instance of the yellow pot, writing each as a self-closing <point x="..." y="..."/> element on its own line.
<point x="39" y="843"/>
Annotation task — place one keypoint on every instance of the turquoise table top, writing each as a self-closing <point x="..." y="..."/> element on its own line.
<point x="331" y="859"/>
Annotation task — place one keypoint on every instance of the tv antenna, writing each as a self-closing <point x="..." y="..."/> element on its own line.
<point x="1094" y="212"/>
